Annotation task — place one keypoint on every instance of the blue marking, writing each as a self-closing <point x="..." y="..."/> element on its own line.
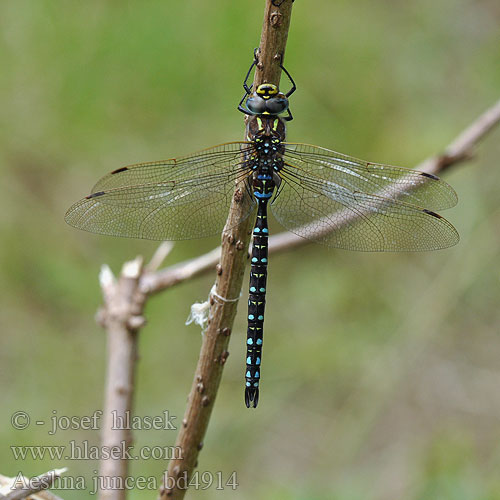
<point x="256" y="230"/>
<point x="260" y="318"/>
<point x="249" y="360"/>
<point x="257" y="362"/>
<point x="248" y="374"/>
<point x="263" y="260"/>
<point x="265" y="230"/>
<point x="256" y="384"/>
<point x="248" y="384"/>
<point x="266" y="151"/>
<point x="253" y="289"/>
<point x="255" y="259"/>
<point x="251" y="316"/>
<point x="257" y="375"/>
<point x="264" y="177"/>
<point x="262" y="195"/>
<point x="262" y="290"/>
<point x="259" y="341"/>
<point x="249" y="341"/>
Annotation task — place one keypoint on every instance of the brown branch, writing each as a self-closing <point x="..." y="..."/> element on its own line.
<point x="155" y="282"/>
<point x="463" y="145"/>
<point x="235" y="243"/>
<point x="273" y="42"/>
<point x="122" y="317"/>
<point x="457" y="151"/>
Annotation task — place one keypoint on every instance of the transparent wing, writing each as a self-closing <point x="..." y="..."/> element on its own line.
<point x="396" y="183"/>
<point x="174" y="199"/>
<point x="330" y="213"/>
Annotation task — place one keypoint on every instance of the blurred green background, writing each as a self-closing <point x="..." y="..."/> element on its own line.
<point x="381" y="371"/>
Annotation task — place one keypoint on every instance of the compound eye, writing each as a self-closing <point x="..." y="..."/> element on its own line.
<point x="277" y="105"/>
<point x="256" y="105"/>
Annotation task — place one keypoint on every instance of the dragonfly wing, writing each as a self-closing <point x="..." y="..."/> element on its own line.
<point x="217" y="159"/>
<point x="396" y="183"/>
<point x="176" y="199"/>
<point x="329" y="213"/>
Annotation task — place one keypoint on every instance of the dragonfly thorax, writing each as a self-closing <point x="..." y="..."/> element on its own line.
<point x="266" y="128"/>
<point x="266" y="135"/>
<point x="267" y="100"/>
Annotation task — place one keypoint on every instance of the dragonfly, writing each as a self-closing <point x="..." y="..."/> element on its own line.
<point x="318" y="194"/>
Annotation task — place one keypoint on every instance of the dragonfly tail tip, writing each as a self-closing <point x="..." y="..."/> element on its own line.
<point x="251" y="397"/>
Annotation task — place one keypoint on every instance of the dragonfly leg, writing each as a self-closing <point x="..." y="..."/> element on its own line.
<point x="294" y="87"/>
<point x="289" y="117"/>
<point x="248" y="89"/>
<point x="242" y="108"/>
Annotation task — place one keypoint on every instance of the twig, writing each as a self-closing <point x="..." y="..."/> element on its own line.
<point x="458" y="150"/>
<point x="159" y="256"/>
<point x="122" y="317"/>
<point x="151" y="283"/>
<point x="462" y="147"/>
<point x="23" y="487"/>
<point x="235" y="242"/>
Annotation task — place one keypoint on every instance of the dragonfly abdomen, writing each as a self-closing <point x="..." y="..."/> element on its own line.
<point x="263" y="187"/>
<point x="265" y="162"/>
<point x="256" y="305"/>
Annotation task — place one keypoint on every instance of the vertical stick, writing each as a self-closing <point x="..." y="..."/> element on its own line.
<point x="235" y="240"/>
<point x="121" y="308"/>
<point x="273" y="42"/>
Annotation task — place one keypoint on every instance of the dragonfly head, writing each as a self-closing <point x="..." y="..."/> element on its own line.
<point x="267" y="100"/>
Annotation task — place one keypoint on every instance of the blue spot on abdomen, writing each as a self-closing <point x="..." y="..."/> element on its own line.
<point x="257" y="194"/>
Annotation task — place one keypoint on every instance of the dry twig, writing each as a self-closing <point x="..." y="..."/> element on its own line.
<point x="122" y="317"/>
<point x="18" y="487"/>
